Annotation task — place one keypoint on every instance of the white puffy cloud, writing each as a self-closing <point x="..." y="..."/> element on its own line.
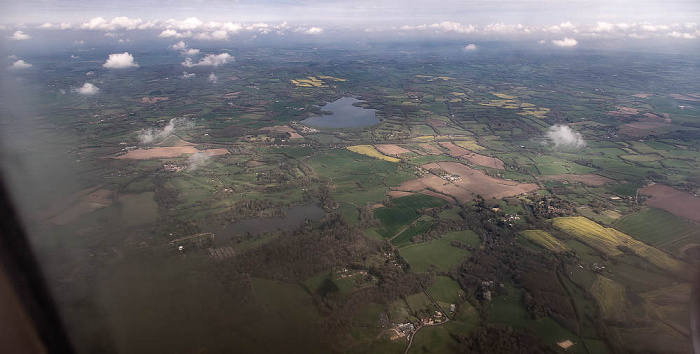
<point x="603" y="27"/>
<point x="87" y="89"/>
<point x="79" y="42"/>
<point x="19" y="36"/>
<point x="212" y="78"/>
<point x="455" y="27"/>
<point x="188" y="24"/>
<point x="314" y="30"/>
<point x="209" y="60"/>
<point x="567" y="25"/>
<point x="20" y="64"/>
<point x="171" y="33"/>
<point x="117" y="23"/>
<point x="218" y="35"/>
<point x="120" y="61"/>
<point x="181" y="45"/>
<point x="563" y="137"/>
<point x="470" y="47"/>
<point x="566" y="42"/>
<point x="190" y="52"/>
<point x="186" y="75"/>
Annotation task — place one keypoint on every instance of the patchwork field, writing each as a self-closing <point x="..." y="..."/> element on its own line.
<point x="477" y="159"/>
<point x="589" y="179"/>
<point x="470" y="183"/>
<point x="673" y="200"/>
<point x="659" y="228"/>
<point x="391" y="149"/>
<point x="610" y="242"/>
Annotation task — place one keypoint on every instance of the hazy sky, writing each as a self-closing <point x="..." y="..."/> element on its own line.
<point x="358" y="11"/>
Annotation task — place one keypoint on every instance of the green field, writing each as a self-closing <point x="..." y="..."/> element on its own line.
<point x="404" y="238"/>
<point x="438" y="252"/>
<point x="660" y="229"/>
<point x="445" y="290"/>
<point x="609" y="241"/>
<point x="508" y="309"/>
<point x="610" y="296"/>
<point x="402" y="212"/>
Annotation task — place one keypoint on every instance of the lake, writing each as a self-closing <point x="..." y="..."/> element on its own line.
<point x="293" y="218"/>
<point x="345" y="115"/>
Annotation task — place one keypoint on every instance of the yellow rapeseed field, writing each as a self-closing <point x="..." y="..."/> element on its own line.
<point x="544" y="239"/>
<point x="607" y="241"/>
<point x="370" y="151"/>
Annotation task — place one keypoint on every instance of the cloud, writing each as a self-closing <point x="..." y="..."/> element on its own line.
<point x="470" y="47"/>
<point x="218" y="35"/>
<point x="314" y="30"/>
<point x="57" y="26"/>
<point x="676" y="34"/>
<point x="74" y="56"/>
<point x="562" y="136"/>
<point x="20" y="64"/>
<point x="120" y="61"/>
<point x="186" y="75"/>
<point x="79" y="42"/>
<point x="197" y="160"/>
<point x="19" y="36"/>
<point x="87" y="89"/>
<point x="117" y="23"/>
<point x="210" y="60"/>
<point x="448" y="26"/>
<point x="566" y="42"/>
<point x="212" y="78"/>
<point x="181" y="45"/>
<point x="603" y="27"/>
<point x="150" y="135"/>
<point x="188" y="24"/>
<point x="191" y="52"/>
<point x="168" y="33"/>
<point x="567" y="25"/>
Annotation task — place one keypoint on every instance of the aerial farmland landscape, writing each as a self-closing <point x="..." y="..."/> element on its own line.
<point x="293" y="188"/>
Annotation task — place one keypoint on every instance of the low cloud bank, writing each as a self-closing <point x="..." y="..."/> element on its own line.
<point x="150" y="135"/>
<point x="197" y="160"/>
<point x="563" y="137"/>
